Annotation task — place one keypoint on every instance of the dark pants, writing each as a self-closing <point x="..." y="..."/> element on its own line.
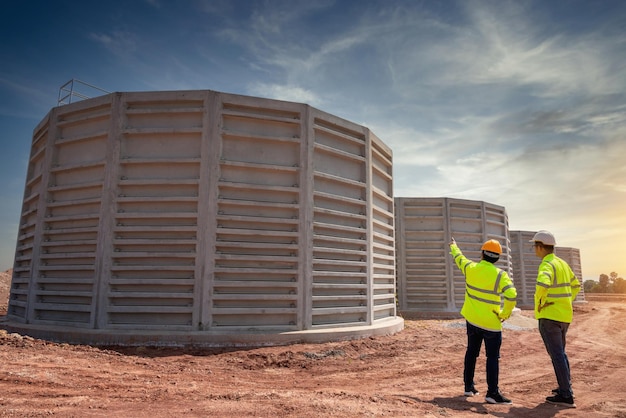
<point x="553" y="334"/>
<point x="493" y="341"/>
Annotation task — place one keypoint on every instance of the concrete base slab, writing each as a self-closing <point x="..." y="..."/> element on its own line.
<point x="206" y="339"/>
<point x="517" y="321"/>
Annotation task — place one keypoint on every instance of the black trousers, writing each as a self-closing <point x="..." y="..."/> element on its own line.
<point x="493" y="341"/>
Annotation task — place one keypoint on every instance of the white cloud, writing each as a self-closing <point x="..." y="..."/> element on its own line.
<point x="285" y="92"/>
<point x="119" y="43"/>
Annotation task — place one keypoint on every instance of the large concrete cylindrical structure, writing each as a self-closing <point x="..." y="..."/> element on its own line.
<point x="204" y="218"/>
<point x="428" y="280"/>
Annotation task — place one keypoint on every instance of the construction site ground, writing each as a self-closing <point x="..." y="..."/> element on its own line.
<point x="414" y="373"/>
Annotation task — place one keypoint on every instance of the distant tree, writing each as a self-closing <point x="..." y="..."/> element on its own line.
<point x="619" y="285"/>
<point x="590" y="286"/>
<point x="613" y="277"/>
<point x="604" y="284"/>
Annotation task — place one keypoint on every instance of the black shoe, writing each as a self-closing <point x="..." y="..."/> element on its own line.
<point x="556" y="392"/>
<point x="497" y="398"/>
<point x="471" y="392"/>
<point x="559" y="400"/>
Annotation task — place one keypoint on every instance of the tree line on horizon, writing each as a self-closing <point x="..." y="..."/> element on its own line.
<point x="610" y="283"/>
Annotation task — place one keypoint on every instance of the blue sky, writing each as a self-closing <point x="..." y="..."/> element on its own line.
<point x="520" y="104"/>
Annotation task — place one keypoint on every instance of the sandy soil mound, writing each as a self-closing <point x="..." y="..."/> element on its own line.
<point x="5" y="285"/>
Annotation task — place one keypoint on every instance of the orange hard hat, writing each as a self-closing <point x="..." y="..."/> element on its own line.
<point x="492" y="246"/>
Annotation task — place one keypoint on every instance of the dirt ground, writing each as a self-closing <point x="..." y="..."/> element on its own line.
<point x="414" y="373"/>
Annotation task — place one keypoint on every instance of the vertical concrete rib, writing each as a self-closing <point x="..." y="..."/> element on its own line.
<point x="41" y="214"/>
<point x="104" y="247"/>
<point x="203" y="237"/>
<point x="210" y="210"/>
<point x="369" y="235"/>
<point x="447" y="214"/>
<point x="305" y="284"/>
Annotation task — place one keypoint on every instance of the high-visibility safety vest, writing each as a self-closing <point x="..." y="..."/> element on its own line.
<point x="557" y="287"/>
<point x="485" y="287"/>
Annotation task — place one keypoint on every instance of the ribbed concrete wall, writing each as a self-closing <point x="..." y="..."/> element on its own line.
<point x="201" y="213"/>
<point x="526" y="265"/>
<point x="572" y="257"/>
<point x="428" y="280"/>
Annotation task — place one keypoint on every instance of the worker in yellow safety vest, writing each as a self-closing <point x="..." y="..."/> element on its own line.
<point x="485" y="287"/>
<point x="557" y="287"/>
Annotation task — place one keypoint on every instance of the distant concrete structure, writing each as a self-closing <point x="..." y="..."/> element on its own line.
<point x="526" y="265"/>
<point x="428" y="280"/>
<point x="199" y="217"/>
<point x="572" y="257"/>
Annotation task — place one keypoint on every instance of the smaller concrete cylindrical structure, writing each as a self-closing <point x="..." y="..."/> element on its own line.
<point x="572" y="257"/>
<point x="526" y="265"/>
<point x="428" y="280"/>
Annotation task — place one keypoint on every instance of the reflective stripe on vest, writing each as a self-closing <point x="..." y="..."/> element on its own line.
<point x="556" y="285"/>
<point x="488" y="292"/>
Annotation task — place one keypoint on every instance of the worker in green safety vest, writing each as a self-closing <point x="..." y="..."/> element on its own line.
<point x="556" y="289"/>
<point x="485" y="287"/>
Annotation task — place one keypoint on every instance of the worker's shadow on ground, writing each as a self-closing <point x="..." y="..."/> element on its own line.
<point x="462" y="404"/>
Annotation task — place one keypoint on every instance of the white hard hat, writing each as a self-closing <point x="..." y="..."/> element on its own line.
<point x="544" y="237"/>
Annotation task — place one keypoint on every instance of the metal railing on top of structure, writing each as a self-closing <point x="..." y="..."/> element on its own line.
<point x="68" y="91"/>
